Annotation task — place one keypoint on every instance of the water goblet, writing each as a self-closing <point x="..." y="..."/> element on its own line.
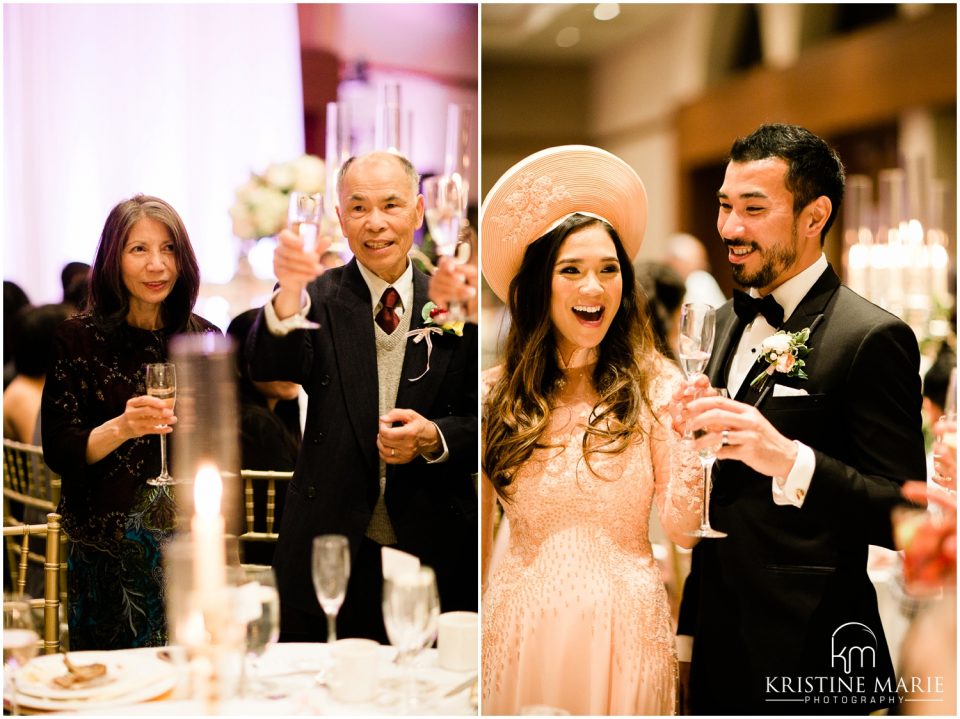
<point x="21" y="642"/>
<point x="411" y="612"/>
<point x="304" y="216"/>
<point x="331" y="572"/>
<point x="161" y="382"/>
<point x="261" y="610"/>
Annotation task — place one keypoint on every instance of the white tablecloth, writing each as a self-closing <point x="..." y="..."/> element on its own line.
<point x="289" y="673"/>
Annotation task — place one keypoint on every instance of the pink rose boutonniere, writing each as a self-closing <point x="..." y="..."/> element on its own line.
<point x="783" y="352"/>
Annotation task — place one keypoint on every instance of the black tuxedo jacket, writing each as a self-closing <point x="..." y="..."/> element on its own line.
<point x="765" y="602"/>
<point x="433" y="507"/>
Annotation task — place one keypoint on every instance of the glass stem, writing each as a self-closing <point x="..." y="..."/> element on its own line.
<point x="707" y="465"/>
<point x="163" y="455"/>
<point x="331" y="628"/>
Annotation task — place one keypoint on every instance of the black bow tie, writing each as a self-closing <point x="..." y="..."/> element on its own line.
<point x="748" y="307"/>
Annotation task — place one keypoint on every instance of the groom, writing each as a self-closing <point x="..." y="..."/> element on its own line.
<point x="782" y="615"/>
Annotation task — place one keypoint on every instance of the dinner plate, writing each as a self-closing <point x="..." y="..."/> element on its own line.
<point x="130" y="678"/>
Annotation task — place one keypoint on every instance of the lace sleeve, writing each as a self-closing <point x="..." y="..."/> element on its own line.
<point x="677" y="472"/>
<point x="488" y="495"/>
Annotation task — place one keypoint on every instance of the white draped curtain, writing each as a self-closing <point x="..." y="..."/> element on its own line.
<point x="103" y="102"/>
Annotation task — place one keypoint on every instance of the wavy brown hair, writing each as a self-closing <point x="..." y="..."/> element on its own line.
<point x="518" y="407"/>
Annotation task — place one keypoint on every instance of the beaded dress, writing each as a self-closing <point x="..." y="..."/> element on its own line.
<point x="575" y="614"/>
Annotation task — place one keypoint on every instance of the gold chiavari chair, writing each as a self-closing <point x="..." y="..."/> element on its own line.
<point x="50" y="604"/>
<point x="259" y="507"/>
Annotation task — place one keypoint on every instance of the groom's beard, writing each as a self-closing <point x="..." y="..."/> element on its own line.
<point x="777" y="258"/>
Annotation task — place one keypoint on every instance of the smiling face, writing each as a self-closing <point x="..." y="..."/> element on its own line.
<point x="586" y="289"/>
<point x="148" y="266"/>
<point x="379" y="212"/>
<point x="757" y="224"/>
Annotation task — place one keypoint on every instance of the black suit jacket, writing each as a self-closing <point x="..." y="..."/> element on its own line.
<point x="766" y="601"/>
<point x="433" y="507"/>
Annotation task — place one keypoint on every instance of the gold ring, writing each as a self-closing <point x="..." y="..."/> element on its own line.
<point x="725" y="438"/>
<point x="393" y="452"/>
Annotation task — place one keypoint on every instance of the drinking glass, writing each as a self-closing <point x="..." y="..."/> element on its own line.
<point x="161" y="381"/>
<point x="444" y="200"/>
<point x="304" y="217"/>
<point x="20" y="642"/>
<point x="259" y="591"/>
<point x="411" y="614"/>
<point x="331" y="571"/>
<point x="708" y="455"/>
<point x="697" y="325"/>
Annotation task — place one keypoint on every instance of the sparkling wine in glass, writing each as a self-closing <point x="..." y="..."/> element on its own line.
<point x="697" y="325"/>
<point x="331" y="571"/>
<point x="161" y="381"/>
<point x="304" y="216"/>
<point x="21" y="643"/>
<point x="260" y="597"/>
<point x="411" y="613"/>
<point x="946" y="437"/>
<point x="708" y="455"/>
<point x="444" y="200"/>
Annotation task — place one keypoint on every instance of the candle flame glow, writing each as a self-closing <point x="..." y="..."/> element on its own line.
<point x="207" y="491"/>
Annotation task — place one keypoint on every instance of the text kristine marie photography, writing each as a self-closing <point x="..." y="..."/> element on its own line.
<point x="853" y="656"/>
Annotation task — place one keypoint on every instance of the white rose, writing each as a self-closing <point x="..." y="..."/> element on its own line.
<point x="309" y="174"/>
<point x="243" y="226"/>
<point x="778" y="343"/>
<point x="269" y="209"/>
<point x="280" y="176"/>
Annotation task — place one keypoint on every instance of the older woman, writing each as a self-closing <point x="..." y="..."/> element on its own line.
<point x="100" y="429"/>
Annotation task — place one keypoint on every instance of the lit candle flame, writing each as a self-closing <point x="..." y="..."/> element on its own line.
<point x="207" y="491"/>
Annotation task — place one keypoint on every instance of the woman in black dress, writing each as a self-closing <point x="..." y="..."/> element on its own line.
<point x="100" y="429"/>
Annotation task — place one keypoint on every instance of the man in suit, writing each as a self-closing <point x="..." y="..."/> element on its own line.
<point x="390" y="441"/>
<point x="782" y="614"/>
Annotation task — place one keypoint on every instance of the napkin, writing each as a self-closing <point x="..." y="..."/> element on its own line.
<point x="396" y="562"/>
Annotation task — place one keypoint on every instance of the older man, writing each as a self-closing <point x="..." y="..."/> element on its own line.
<point x="390" y="440"/>
<point x="783" y="616"/>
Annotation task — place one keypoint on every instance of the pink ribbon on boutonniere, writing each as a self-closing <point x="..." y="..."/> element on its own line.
<point x="420" y="335"/>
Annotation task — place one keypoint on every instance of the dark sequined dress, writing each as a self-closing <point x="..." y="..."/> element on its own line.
<point x="116" y="522"/>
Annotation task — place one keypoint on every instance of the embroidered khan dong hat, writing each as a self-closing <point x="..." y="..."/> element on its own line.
<point x="542" y="190"/>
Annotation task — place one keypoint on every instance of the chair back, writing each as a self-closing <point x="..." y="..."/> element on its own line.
<point x="260" y="506"/>
<point x="50" y="604"/>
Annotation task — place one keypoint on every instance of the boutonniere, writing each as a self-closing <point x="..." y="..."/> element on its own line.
<point x="433" y="325"/>
<point x="783" y="352"/>
<point x="433" y="317"/>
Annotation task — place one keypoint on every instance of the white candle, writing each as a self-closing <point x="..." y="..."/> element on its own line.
<point x="210" y="559"/>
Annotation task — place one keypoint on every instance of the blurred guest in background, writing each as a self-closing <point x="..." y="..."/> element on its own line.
<point x="390" y="443"/>
<point x="687" y="255"/>
<point x="269" y="431"/>
<point x="99" y="426"/>
<point x="75" y="279"/>
<point x="331" y="259"/>
<point x="14" y="300"/>
<point x="664" y="290"/>
<point x="31" y="355"/>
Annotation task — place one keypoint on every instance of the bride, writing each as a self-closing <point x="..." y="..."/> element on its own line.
<point x="577" y="445"/>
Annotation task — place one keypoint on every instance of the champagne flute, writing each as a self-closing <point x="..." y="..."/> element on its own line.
<point x="444" y="199"/>
<point x="708" y="456"/>
<point x="21" y="643"/>
<point x="331" y="571"/>
<point x="304" y="216"/>
<point x="161" y="381"/>
<point x="411" y="611"/>
<point x="263" y="628"/>
<point x="697" y="325"/>
<point x="946" y="436"/>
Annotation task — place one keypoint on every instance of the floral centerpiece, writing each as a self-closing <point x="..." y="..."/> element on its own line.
<point x="260" y="205"/>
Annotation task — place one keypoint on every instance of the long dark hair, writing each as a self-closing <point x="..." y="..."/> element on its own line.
<point x="109" y="300"/>
<point x="518" y="407"/>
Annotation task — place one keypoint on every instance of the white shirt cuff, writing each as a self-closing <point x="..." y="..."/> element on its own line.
<point x="792" y="489"/>
<point x="446" y="451"/>
<point x="281" y="327"/>
<point x="684" y="647"/>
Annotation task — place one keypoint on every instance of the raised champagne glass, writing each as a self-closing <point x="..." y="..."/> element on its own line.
<point x="697" y="326"/>
<point x="304" y="217"/>
<point x="161" y="382"/>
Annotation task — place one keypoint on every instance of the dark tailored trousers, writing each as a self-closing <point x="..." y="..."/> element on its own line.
<point x="361" y="614"/>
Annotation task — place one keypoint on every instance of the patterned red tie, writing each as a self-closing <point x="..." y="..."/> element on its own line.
<point x="387" y="316"/>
